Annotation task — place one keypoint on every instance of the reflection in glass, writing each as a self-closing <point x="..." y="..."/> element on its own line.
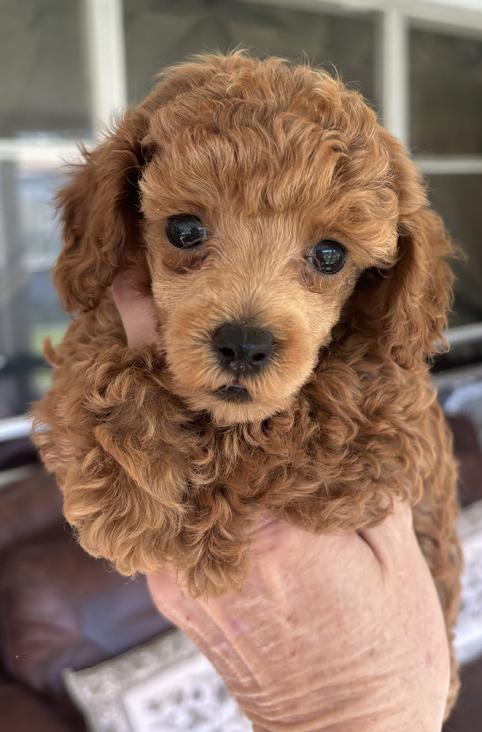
<point x="458" y="198"/>
<point x="44" y="80"/>
<point x="162" y="32"/>
<point x="445" y="93"/>
<point x="36" y="187"/>
<point x="29" y="307"/>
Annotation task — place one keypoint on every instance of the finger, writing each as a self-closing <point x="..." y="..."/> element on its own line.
<point x="136" y="311"/>
<point x="193" y="618"/>
<point x="391" y="539"/>
<point x="171" y="598"/>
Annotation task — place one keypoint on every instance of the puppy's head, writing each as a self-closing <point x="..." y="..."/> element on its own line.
<point x="265" y="205"/>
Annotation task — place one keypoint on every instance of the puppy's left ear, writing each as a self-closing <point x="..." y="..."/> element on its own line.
<point x="407" y="303"/>
<point x="100" y="215"/>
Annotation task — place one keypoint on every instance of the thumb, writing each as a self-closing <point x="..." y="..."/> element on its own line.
<point x="136" y="311"/>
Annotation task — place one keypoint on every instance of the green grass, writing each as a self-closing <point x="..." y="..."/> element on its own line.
<point x="39" y="331"/>
<point x="42" y="380"/>
<point x="42" y="377"/>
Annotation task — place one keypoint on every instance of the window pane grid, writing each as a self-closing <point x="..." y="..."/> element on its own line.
<point x="102" y="87"/>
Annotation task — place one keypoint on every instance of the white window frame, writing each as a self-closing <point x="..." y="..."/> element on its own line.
<point x="105" y="43"/>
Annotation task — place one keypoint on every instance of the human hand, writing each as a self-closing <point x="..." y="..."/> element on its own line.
<point x="135" y="309"/>
<point x="342" y="631"/>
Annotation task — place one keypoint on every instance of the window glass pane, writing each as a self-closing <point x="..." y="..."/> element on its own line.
<point x="29" y="307"/>
<point x="36" y="186"/>
<point x="161" y="32"/>
<point x="458" y="198"/>
<point x="445" y="93"/>
<point x="43" y="84"/>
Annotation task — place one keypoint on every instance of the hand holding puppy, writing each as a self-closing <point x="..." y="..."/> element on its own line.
<point x="341" y="631"/>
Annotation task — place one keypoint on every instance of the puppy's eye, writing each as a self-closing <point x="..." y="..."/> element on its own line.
<point x="185" y="231"/>
<point x="327" y="256"/>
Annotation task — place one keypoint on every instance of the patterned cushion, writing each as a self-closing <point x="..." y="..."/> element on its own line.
<point x="166" y="685"/>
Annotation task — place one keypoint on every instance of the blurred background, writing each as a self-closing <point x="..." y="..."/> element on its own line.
<point x="67" y="68"/>
<point x="69" y="65"/>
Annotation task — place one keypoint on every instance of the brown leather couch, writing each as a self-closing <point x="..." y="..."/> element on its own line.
<point x="60" y="608"/>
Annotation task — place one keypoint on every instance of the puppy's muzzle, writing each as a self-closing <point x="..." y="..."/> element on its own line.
<point x="242" y="349"/>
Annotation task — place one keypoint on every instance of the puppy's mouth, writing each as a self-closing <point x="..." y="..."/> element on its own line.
<point x="233" y="392"/>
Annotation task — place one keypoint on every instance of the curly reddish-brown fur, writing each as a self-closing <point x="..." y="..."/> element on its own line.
<point x="154" y="467"/>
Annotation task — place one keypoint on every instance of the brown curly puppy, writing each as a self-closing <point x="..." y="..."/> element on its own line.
<point x="300" y="284"/>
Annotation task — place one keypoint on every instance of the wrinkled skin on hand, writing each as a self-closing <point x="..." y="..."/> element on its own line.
<point x="335" y="632"/>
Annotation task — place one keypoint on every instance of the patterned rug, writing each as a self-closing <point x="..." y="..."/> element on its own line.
<point x="167" y="685"/>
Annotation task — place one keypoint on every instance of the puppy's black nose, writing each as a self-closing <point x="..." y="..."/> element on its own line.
<point x="242" y="348"/>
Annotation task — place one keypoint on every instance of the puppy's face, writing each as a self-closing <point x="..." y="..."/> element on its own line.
<point x="260" y="214"/>
<point x="251" y="196"/>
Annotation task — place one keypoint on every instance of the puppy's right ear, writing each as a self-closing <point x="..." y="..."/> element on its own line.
<point x="100" y="212"/>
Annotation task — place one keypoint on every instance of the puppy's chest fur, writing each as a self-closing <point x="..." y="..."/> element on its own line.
<point x="361" y="430"/>
<point x="354" y="438"/>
